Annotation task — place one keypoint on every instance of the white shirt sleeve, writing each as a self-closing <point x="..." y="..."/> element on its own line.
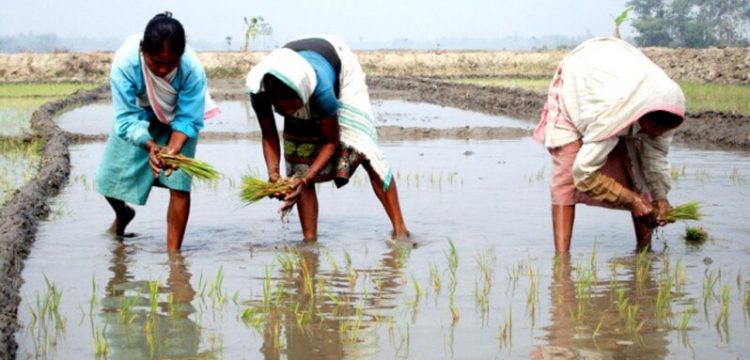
<point x="591" y="157"/>
<point x="655" y="166"/>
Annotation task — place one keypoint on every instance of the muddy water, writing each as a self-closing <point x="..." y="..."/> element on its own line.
<point x="236" y="116"/>
<point x="244" y="286"/>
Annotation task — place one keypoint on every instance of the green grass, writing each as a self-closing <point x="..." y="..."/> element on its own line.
<point x="699" y="97"/>
<point x="15" y="90"/>
<point x="15" y="114"/>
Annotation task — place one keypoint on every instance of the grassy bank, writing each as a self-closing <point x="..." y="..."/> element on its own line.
<point x="700" y="97"/>
<point x="19" y="158"/>
<point x="21" y="90"/>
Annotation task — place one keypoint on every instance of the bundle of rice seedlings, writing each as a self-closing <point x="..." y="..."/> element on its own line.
<point x="254" y="189"/>
<point x="687" y="211"/>
<point x="695" y="234"/>
<point x="196" y="168"/>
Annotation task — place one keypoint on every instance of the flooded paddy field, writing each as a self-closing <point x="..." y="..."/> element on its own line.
<point x="18" y="164"/>
<point x="477" y="279"/>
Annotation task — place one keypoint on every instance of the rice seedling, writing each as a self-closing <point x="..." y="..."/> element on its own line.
<point x="267" y="288"/>
<point x="536" y="177"/>
<point x="506" y="330"/>
<point x="695" y="234"/>
<point x="101" y="345"/>
<point x="417" y="288"/>
<point x="664" y="295"/>
<point x="215" y="292"/>
<point x="198" y="169"/>
<point x="254" y="189"/>
<point x="288" y="262"/>
<point x="678" y="174"/>
<point x="332" y="261"/>
<point x="452" y="255"/>
<point x="153" y="289"/>
<point x="736" y="176"/>
<point x="687" y="211"/>
<point x="723" y="317"/>
<point x="435" y="279"/>
<point x="709" y="282"/>
<point x="253" y="318"/>
<point x="125" y="310"/>
<point x="307" y="277"/>
<point x="597" y="328"/>
<point x="92" y="299"/>
<point x="679" y="275"/>
<point x="702" y="176"/>
<point x="631" y="322"/>
<point x="642" y="268"/>
<point x="685" y="319"/>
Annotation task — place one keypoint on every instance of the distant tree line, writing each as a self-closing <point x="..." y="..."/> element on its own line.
<point x="691" y="23"/>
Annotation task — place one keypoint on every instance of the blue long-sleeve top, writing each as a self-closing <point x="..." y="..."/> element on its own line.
<point x="126" y="80"/>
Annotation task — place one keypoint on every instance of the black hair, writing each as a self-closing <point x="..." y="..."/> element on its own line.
<point x="164" y="31"/>
<point x="277" y="89"/>
<point x="665" y="119"/>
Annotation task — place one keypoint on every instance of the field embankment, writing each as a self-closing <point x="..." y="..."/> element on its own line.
<point x="728" y="65"/>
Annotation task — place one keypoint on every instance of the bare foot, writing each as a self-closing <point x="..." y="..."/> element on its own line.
<point x="401" y="234"/>
<point x="121" y="222"/>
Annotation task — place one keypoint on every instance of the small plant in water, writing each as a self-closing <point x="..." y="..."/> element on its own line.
<point x="101" y="346"/>
<point x="695" y="234"/>
<point x="736" y="176"/>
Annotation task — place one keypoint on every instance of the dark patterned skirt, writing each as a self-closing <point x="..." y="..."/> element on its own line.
<point x="302" y="142"/>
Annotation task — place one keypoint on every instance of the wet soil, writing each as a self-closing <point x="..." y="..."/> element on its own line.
<point x="19" y="217"/>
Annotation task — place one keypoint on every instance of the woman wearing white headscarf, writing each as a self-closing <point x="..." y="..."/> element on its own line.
<point x="318" y="85"/>
<point x="608" y="123"/>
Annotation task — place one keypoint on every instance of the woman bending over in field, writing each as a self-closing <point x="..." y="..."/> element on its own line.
<point x="318" y="86"/>
<point x="608" y="124"/>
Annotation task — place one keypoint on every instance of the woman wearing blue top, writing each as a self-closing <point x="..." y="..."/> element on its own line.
<point x="318" y="85"/>
<point x="159" y="97"/>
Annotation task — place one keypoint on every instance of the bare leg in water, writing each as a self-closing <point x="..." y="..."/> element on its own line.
<point x="123" y="215"/>
<point x="389" y="199"/>
<point x="563" y="217"/>
<point x="307" y="207"/>
<point x="643" y="234"/>
<point x="562" y="226"/>
<point x="177" y="218"/>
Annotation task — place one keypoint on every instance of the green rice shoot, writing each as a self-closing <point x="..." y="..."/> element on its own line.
<point x="198" y="169"/>
<point x="695" y="234"/>
<point x="687" y="211"/>
<point x="254" y="189"/>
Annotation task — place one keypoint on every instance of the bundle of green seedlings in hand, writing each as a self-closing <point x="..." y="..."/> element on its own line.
<point x="254" y="189"/>
<point x="687" y="211"/>
<point x="196" y="168"/>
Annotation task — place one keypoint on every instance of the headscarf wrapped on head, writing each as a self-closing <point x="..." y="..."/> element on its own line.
<point x="600" y="88"/>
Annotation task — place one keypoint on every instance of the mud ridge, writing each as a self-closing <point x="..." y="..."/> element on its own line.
<point x="20" y="216"/>
<point x="705" y="129"/>
<point x="385" y="133"/>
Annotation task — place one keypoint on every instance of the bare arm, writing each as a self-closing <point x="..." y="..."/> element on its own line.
<point x="330" y="129"/>
<point x="271" y="147"/>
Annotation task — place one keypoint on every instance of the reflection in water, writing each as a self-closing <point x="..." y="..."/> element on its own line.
<point x="325" y="314"/>
<point x="621" y="317"/>
<point x="145" y="319"/>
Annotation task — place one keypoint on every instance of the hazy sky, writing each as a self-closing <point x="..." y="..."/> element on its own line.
<point x="364" y="20"/>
